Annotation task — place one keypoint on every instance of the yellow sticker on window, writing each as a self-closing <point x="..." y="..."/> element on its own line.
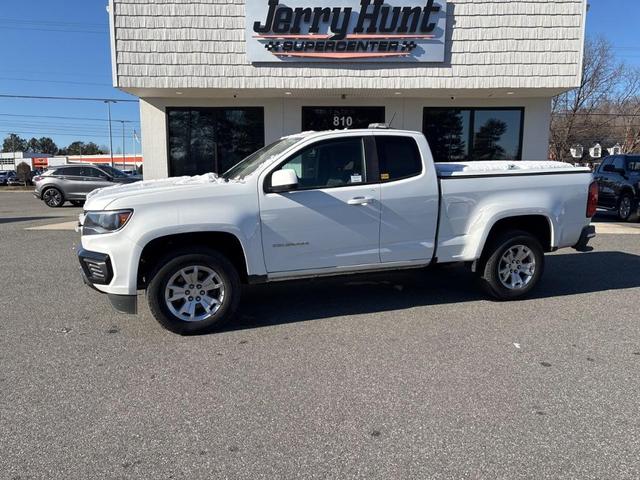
<point x="384" y="176"/>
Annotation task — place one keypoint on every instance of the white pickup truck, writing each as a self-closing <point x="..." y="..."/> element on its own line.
<point x="327" y="203"/>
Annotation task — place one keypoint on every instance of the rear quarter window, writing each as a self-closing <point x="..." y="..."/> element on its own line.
<point x="633" y="164"/>
<point x="398" y="157"/>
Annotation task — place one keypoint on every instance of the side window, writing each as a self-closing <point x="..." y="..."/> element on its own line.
<point x="332" y="163"/>
<point x="633" y="165"/>
<point x="398" y="157"/>
<point x="95" y="173"/>
<point x="70" y="171"/>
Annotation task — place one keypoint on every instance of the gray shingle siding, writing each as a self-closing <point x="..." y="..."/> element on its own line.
<point x="493" y="44"/>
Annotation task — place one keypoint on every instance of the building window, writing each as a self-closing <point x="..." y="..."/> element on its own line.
<point x="203" y="140"/>
<point x="339" y="118"/>
<point x="467" y="134"/>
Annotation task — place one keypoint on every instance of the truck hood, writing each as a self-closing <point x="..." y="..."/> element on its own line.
<point x="101" y="198"/>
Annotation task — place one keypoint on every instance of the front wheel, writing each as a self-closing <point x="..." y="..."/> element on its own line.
<point x="194" y="291"/>
<point x="53" y="197"/>
<point x="512" y="266"/>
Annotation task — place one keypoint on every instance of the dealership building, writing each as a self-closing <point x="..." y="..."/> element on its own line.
<point x="218" y="79"/>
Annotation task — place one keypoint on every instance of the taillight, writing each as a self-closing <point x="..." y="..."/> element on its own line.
<point x="592" y="201"/>
<point x="37" y="179"/>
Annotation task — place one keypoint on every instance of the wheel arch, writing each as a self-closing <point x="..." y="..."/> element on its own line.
<point x="159" y="247"/>
<point x="628" y="189"/>
<point x="49" y="186"/>
<point x="538" y="225"/>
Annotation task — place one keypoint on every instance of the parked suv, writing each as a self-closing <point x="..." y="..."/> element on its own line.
<point x="618" y="178"/>
<point x="73" y="182"/>
<point x="5" y="176"/>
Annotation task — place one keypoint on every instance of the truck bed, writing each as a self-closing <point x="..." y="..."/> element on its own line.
<point x="492" y="168"/>
<point x="475" y="194"/>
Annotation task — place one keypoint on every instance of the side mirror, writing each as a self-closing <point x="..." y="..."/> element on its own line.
<point x="284" y="181"/>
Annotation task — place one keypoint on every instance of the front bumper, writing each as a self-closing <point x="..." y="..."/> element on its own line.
<point x="97" y="270"/>
<point x="587" y="234"/>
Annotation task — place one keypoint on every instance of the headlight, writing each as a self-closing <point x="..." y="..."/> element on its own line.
<point x="96" y="223"/>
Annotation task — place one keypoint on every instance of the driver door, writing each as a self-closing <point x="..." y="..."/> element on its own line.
<point x="332" y="219"/>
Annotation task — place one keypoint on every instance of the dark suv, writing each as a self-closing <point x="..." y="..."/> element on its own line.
<point x="72" y="183"/>
<point x="618" y="178"/>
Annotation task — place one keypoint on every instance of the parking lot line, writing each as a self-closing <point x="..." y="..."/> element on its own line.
<point x="56" y="226"/>
<point x="617" y="229"/>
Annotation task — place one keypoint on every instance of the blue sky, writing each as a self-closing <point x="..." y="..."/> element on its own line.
<point x="61" y="48"/>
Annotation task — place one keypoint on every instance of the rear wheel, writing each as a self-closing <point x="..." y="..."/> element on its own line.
<point x="625" y="207"/>
<point x="194" y="291"/>
<point x="53" y="197"/>
<point x="512" y="265"/>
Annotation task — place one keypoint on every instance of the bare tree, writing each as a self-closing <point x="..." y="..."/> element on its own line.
<point x="593" y="111"/>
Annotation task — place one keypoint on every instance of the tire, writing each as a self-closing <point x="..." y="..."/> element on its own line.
<point x="53" y="197"/>
<point x="494" y="277"/>
<point x="176" y="315"/>
<point x="625" y="207"/>
<point x="77" y="203"/>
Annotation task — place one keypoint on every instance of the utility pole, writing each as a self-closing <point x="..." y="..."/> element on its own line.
<point x="133" y="144"/>
<point x="123" y="156"/>
<point x="109" y="102"/>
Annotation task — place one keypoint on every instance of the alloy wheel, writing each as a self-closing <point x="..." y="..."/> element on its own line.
<point x="517" y="267"/>
<point x="194" y="293"/>
<point x="52" y="197"/>
<point x="625" y="207"/>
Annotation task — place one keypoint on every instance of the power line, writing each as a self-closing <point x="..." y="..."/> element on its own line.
<point x="22" y="71"/>
<point x="66" y="82"/>
<point x="585" y="114"/>
<point x="50" y="22"/>
<point x="87" y="99"/>
<point x="67" y="118"/>
<point x="52" y="129"/>
<point x="59" y="134"/>
<point x="53" y="30"/>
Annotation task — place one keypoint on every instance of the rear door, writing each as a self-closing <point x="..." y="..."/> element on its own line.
<point x="70" y="181"/>
<point x="633" y="171"/>
<point x="410" y="200"/>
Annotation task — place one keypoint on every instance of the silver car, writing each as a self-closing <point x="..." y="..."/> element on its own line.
<point x="72" y="183"/>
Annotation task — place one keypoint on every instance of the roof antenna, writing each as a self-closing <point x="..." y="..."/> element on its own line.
<point x="392" y="119"/>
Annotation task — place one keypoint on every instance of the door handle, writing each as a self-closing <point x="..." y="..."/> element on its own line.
<point x="360" y="201"/>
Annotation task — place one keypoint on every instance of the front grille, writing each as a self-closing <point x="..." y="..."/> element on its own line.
<point x="95" y="269"/>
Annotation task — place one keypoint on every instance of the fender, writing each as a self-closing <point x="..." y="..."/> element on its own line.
<point x="512" y="215"/>
<point x="253" y="259"/>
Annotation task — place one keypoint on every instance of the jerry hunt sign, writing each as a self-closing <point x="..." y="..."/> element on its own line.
<point x="347" y="31"/>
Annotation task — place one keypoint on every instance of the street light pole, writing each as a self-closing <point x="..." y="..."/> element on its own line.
<point x="109" y="102"/>
<point x="123" y="156"/>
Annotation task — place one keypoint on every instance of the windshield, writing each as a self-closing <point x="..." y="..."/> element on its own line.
<point x="114" y="172"/>
<point x="253" y="161"/>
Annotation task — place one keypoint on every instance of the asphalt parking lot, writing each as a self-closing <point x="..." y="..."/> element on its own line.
<point x="409" y="375"/>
